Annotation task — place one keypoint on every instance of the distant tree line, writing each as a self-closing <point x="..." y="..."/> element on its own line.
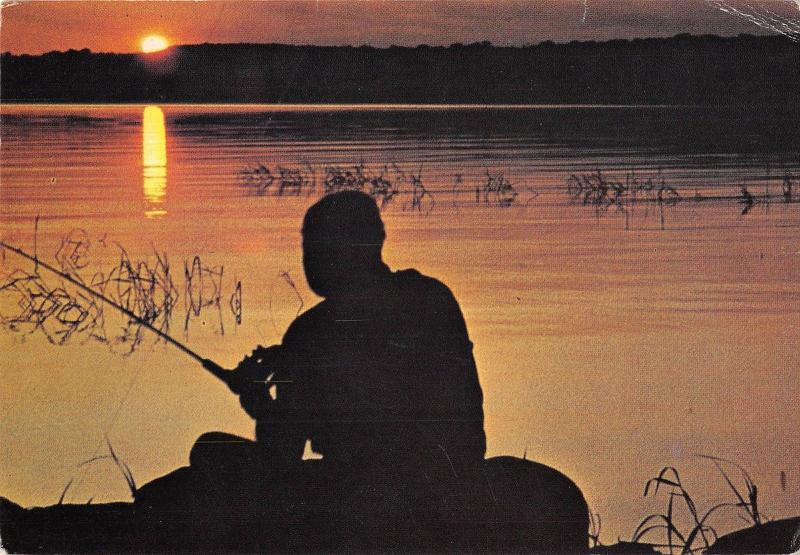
<point x="683" y="69"/>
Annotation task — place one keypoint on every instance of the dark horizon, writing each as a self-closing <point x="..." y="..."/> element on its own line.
<point x="565" y="42"/>
<point x="685" y="69"/>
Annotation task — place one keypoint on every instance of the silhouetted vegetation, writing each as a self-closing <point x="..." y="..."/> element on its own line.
<point x="498" y="189"/>
<point x="143" y="287"/>
<point x="680" y="70"/>
<point x="699" y="535"/>
<point x="121" y="465"/>
<point x="384" y="184"/>
<point x="604" y="191"/>
<point x="682" y="527"/>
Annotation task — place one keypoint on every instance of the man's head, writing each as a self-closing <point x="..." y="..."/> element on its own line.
<point x="342" y="239"/>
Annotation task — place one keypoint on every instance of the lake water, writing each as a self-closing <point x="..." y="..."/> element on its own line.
<point x="611" y="340"/>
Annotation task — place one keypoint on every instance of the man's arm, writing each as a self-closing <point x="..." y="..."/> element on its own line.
<point x="268" y="403"/>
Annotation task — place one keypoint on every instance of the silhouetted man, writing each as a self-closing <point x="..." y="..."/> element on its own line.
<point x="379" y="373"/>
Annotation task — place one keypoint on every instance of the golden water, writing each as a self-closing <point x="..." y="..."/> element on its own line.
<point x="607" y="353"/>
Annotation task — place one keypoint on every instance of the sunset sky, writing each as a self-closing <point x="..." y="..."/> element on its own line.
<point x="118" y="26"/>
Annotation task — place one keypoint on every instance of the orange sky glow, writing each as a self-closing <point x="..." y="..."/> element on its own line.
<point x="36" y="26"/>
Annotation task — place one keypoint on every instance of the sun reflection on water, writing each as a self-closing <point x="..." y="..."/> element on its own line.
<point x="154" y="161"/>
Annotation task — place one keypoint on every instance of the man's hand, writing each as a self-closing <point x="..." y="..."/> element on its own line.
<point x="251" y="379"/>
<point x="257" y="403"/>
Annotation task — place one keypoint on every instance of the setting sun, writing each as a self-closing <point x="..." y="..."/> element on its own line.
<point x="154" y="43"/>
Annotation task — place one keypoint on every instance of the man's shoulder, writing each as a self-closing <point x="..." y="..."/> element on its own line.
<point x="307" y="322"/>
<point x="419" y="283"/>
<point x="412" y="276"/>
<point x="431" y="306"/>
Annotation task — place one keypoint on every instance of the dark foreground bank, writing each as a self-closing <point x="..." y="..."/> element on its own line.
<point x="511" y="505"/>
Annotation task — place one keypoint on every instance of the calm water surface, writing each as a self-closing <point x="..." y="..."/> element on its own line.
<point x="609" y="345"/>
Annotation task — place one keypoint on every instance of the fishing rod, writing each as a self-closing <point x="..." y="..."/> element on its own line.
<point x="227" y="376"/>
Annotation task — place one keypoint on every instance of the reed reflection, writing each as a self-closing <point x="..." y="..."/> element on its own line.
<point x="154" y="161"/>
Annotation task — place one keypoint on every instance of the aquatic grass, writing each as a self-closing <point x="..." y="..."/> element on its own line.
<point x="700" y="535"/>
<point x="420" y="196"/>
<point x="496" y="189"/>
<point x="750" y="505"/>
<point x="257" y="178"/>
<point x="600" y="190"/>
<point x="603" y="191"/>
<point x="344" y="178"/>
<point x="787" y="187"/>
<point x="64" y="491"/>
<point x="595" y="527"/>
<point x="383" y="182"/>
<point x="281" y="181"/>
<point x="121" y="465"/>
<point x="123" y="468"/>
<point x="666" y="521"/>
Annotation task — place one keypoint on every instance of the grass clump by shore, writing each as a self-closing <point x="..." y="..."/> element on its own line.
<point x="682" y="527"/>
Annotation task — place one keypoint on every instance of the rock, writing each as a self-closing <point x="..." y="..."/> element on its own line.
<point x="777" y="536"/>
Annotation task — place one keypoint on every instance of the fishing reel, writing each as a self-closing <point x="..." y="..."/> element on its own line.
<point x="253" y="373"/>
